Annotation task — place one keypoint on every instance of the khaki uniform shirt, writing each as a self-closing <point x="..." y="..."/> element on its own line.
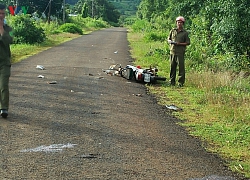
<point x="181" y="37"/>
<point x="5" y="41"/>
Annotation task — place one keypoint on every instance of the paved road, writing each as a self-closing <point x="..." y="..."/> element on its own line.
<point x="90" y="125"/>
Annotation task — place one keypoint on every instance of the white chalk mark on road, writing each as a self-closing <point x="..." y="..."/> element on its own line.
<point x="50" y="148"/>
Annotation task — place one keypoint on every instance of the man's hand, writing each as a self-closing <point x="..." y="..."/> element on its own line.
<point x="181" y="44"/>
<point x="171" y="42"/>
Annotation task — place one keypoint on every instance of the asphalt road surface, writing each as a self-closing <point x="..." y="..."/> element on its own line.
<point x="80" y="123"/>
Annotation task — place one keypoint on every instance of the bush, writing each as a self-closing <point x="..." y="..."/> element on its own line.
<point x="25" y="30"/>
<point x="71" y="28"/>
<point x="141" y="26"/>
<point x="50" y="28"/>
<point x="96" y="23"/>
<point x="156" y="36"/>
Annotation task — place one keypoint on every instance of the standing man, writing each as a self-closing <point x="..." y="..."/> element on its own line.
<point x="5" y="64"/>
<point x="178" y="40"/>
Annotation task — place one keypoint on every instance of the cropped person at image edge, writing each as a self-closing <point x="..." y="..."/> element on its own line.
<point x="178" y="40"/>
<point x="5" y="62"/>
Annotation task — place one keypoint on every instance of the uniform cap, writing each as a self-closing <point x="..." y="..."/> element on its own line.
<point x="180" y="18"/>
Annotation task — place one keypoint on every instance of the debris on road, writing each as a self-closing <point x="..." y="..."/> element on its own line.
<point x="139" y="95"/>
<point x="111" y="72"/>
<point x="52" y="82"/>
<point x="173" y="107"/>
<point x="40" y="67"/>
<point x="113" y="69"/>
<point x="40" y="76"/>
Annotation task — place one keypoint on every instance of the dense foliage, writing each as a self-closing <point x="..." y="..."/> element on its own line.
<point x="25" y="30"/>
<point x="71" y="28"/>
<point x="97" y="9"/>
<point x="126" y="7"/>
<point x="41" y="6"/>
<point x="216" y="27"/>
<point x="71" y="2"/>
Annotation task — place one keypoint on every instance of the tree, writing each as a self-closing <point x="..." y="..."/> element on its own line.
<point x="97" y="9"/>
<point x="42" y="6"/>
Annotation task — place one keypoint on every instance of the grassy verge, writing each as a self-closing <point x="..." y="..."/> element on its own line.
<point x="216" y="106"/>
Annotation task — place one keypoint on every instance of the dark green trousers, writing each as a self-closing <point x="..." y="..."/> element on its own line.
<point x="177" y="62"/>
<point x="4" y="87"/>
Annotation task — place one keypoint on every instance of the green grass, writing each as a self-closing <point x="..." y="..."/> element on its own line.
<point x="216" y="106"/>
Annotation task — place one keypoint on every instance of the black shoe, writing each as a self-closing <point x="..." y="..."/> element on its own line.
<point x="4" y="113"/>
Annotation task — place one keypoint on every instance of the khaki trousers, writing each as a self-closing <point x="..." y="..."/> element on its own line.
<point x="177" y="60"/>
<point x="4" y="87"/>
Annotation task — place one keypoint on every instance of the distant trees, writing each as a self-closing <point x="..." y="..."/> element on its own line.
<point x="52" y="7"/>
<point x="97" y="9"/>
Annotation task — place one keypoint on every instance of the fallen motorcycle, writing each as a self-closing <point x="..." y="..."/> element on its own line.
<point x="141" y="75"/>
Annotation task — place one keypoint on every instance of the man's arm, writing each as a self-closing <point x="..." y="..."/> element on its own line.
<point x="6" y="37"/>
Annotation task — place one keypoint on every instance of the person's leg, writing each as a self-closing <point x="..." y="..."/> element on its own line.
<point x="173" y="66"/>
<point x="4" y="89"/>
<point x="181" y="61"/>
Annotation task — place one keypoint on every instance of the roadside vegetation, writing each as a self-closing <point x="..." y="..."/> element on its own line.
<point x="216" y="96"/>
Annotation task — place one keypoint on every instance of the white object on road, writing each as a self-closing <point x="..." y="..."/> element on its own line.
<point x="50" y="148"/>
<point x="40" y="67"/>
<point x="40" y="76"/>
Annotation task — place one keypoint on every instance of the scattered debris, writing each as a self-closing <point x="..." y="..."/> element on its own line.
<point x="115" y="66"/>
<point x="241" y="167"/>
<point x="173" y="107"/>
<point x="113" y="69"/>
<point x="139" y="95"/>
<point x="52" y="82"/>
<point x="111" y="72"/>
<point x="40" y="67"/>
<point x="40" y="76"/>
